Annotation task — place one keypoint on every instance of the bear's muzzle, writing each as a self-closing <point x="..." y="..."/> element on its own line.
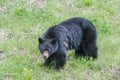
<point x="46" y="54"/>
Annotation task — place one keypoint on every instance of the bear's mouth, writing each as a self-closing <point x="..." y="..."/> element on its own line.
<point x="46" y="54"/>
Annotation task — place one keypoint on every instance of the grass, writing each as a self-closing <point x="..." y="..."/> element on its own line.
<point x="23" y="21"/>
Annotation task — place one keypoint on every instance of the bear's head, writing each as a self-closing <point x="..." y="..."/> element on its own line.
<point x="47" y="46"/>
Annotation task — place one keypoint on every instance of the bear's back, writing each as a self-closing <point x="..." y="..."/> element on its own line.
<point x="70" y="31"/>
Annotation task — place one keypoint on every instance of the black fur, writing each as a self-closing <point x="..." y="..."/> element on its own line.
<point x="75" y="33"/>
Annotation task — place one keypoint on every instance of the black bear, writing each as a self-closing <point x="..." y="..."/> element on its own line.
<point x="75" y="33"/>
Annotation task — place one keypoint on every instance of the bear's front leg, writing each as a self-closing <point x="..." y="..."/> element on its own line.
<point x="48" y="60"/>
<point x="60" y="60"/>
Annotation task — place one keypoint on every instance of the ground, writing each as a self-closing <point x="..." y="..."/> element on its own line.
<point x="23" y="21"/>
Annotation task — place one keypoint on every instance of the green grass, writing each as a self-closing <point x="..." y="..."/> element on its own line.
<point x="23" y="21"/>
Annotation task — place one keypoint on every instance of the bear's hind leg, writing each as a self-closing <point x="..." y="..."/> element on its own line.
<point x="90" y="50"/>
<point x="89" y="41"/>
<point x="79" y="52"/>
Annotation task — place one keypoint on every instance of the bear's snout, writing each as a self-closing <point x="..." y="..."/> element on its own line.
<point x="46" y="54"/>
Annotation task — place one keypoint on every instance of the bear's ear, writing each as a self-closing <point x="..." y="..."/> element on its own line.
<point x="40" y="40"/>
<point x="53" y="41"/>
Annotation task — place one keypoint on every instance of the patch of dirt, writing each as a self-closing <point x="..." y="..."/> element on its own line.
<point x="67" y="2"/>
<point x="37" y="59"/>
<point x="115" y="73"/>
<point x="36" y="3"/>
<point x="3" y="8"/>
<point x="2" y="55"/>
<point x="2" y="35"/>
<point x="11" y="35"/>
<point x="8" y="76"/>
<point x="87" y="73"/>
<point x="21" y="50"/>
<point x="108" y="73"/>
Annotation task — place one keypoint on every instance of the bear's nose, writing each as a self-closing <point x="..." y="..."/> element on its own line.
<point x="46" y="54"/>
